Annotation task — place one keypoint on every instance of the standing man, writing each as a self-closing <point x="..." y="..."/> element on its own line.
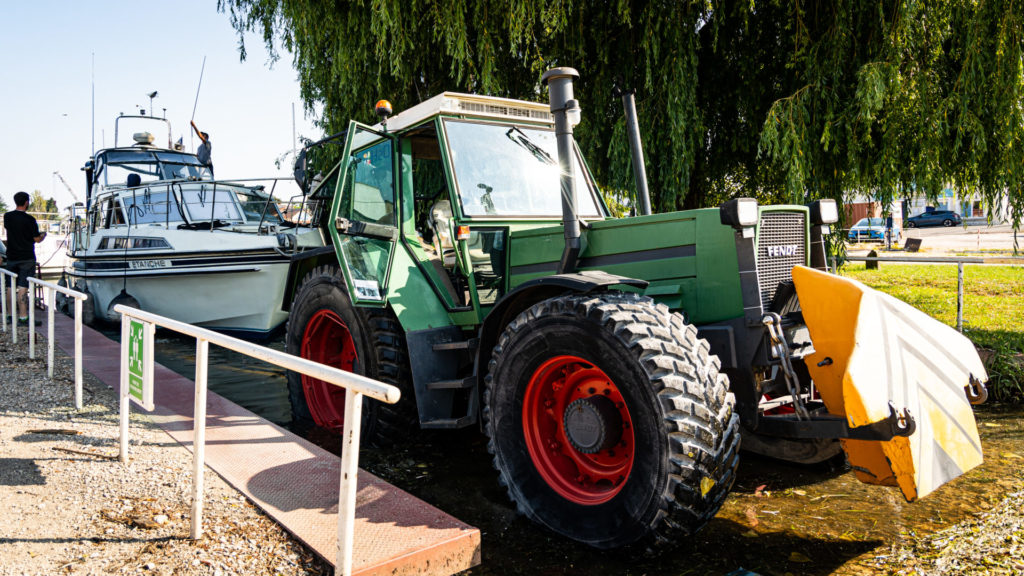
<point x="205" y="151"/>
<point x="22" y="235"/>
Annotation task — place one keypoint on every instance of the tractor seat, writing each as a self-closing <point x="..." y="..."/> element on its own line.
<point x="441" y="224"/>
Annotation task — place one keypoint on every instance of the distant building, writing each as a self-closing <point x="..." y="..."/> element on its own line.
<point x="862" y="206"/>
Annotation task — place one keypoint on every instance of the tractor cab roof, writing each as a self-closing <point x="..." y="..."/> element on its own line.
<point x="472" y="105"/>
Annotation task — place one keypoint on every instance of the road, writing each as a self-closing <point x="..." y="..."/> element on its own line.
<point x="939" y="241"/>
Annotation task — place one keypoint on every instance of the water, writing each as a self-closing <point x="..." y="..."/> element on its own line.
<point x="823" y="514"/>
<point x="250" y="383"/>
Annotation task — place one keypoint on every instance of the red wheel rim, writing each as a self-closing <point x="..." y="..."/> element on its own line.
<point x="327" y="340"/>
<point x="582" y="478"/>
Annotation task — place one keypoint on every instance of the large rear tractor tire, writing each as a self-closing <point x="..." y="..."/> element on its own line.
<point x="609" y="421"/>
<point x="324" y="326"/>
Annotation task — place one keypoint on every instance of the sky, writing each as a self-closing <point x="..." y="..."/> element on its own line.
<point x="47" y="53"/>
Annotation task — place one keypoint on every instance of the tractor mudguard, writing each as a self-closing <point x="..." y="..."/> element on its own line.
<point x="529" y="293"/>
<point x="872" y="350"/>
<point x="299" y="265"/>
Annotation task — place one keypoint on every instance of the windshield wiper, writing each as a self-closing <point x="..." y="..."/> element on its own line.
<point x="523" y="140"/>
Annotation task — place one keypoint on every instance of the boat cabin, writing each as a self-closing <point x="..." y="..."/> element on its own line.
<point x="144" y="186"/>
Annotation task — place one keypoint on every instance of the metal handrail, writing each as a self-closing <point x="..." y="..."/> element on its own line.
<point x="959" y="261"/>
<point x="912" y="259"/>
<point x="355" y="386"/>
<point x="50" y="291"/>
<point x="49" y="296"/>
<point x="14" y="305"/>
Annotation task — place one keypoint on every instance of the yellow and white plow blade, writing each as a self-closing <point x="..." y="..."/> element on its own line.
<point x="883" y="350"/>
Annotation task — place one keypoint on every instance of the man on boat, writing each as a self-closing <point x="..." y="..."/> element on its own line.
<point x="22" y="235"/>
<point x="205" y="151"/>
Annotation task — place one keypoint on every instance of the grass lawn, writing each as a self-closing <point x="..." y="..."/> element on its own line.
<point x="993" y="309"/>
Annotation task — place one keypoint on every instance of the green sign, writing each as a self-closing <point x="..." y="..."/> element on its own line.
<point x="136" y="361"/>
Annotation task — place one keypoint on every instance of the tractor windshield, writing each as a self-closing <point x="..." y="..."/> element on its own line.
<point x="502" y="170"/>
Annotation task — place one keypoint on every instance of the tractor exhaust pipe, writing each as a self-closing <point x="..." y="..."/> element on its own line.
<point x="566" y="110"/>
<point x="636" y="149"/>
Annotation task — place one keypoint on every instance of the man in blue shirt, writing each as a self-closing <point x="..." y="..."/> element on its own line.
<point x="22" y="235"/>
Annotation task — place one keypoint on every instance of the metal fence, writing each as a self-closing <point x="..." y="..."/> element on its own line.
<point x="929" y="260"/>
<point x="355" y="386"/>
<point x="50" y="291"/>
<point x="13" y="305"/>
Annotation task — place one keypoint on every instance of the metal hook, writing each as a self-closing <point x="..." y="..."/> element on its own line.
<point x="976" y="391"/>
<point x="903" y="423"/>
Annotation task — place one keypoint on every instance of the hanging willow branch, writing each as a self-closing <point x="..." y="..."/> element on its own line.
<point x="782" y="101"/>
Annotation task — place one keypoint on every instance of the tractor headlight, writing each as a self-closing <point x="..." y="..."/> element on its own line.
<point x="824" y="212"/>
<point x="739" y="212"/>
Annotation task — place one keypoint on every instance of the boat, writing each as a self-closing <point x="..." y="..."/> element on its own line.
<point x="160" y="233"/>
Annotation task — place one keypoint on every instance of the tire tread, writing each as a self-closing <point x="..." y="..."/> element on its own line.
<point x="697" y="407"/>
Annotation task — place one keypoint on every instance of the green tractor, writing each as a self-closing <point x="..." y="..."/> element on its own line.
<point x="613" y="363"/>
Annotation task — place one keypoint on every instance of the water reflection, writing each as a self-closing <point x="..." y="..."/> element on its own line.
<point x="250" y="383"/>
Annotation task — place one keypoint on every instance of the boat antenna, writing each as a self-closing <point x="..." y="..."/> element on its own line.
<point x="196" y="104"/>
<point x="94" y="103"/>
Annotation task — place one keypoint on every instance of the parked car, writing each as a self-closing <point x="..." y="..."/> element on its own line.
<point x="871" y="229"/>
<point x="935" y="218"/>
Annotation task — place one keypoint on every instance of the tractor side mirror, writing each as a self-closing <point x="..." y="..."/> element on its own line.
<point x="300" y="170"/>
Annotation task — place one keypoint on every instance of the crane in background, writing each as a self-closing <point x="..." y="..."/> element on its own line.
<point x="66" y="185"/>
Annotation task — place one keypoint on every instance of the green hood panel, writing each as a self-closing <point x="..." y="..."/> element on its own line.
<point x="669" y="250"/>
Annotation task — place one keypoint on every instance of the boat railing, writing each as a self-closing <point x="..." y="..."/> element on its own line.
<point x="137" y="342"/>
<point x="301" y="210"/>
<point x="243" y="201"/>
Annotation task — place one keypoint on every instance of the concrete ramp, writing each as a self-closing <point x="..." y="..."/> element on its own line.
<point x="294" y="481"/>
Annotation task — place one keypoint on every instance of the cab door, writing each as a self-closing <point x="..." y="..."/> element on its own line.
<point x="364" y="227"/>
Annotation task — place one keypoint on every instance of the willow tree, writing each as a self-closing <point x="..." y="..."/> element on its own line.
<point x="779" y="100"/>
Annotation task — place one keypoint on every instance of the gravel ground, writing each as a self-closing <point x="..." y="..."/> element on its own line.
<point x="991" y="544"/>
<point x="63" y="511"/>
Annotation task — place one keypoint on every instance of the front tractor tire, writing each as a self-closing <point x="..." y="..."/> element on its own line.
<point x="609" y="421"/>
<point x="324" y="326"/>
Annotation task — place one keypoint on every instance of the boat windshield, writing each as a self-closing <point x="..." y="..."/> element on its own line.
<point x="151" y="207"/>
<point x="258" y="207"/>
<point x="503" y="170"/>
<point x="150" y="166"/>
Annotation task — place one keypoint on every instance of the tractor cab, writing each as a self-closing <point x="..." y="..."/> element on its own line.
<point x="449" y="180"/>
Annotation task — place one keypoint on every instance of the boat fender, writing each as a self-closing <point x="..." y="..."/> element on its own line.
<point x="286" y="244"/>
<point x="123" y="298"/>
<point x="60" y="299"/>
<point x="88" y="306"/>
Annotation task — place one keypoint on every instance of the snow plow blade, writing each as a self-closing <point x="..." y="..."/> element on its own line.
<point x="872" y="350"/>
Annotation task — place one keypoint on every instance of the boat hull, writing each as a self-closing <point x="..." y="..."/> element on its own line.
<point x="239" y="292"/>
